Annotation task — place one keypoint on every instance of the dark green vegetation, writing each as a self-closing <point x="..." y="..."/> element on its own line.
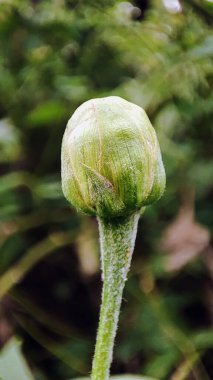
<point x="54" y="55"/>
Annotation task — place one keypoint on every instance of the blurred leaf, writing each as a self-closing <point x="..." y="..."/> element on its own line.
<point x="47" y="113"/>
<point x="49" y="189"/>
<point x="9" y="141"/>
<point x="162" y="364"/>
<point x="205" y="49"/>
<point x="203" y="339"/>
<point x="12" y="363"/>
<point x="73" y="88"/>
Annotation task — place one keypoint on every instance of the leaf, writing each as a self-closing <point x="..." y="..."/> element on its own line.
<point x="12" y="363"/>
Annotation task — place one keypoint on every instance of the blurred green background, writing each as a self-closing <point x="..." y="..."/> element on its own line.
<point x="54" y="55"/>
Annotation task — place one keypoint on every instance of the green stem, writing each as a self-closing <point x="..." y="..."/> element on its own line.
<point x="117" y="240"/>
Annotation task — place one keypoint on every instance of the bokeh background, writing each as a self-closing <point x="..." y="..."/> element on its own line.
<point x="54" y="55"/>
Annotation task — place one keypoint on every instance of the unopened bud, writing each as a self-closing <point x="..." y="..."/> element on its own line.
<point x="111" y="160"/>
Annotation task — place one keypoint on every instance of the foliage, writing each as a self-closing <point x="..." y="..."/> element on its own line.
<point x="55" y="55"/>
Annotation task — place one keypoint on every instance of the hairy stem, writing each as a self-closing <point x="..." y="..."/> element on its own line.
<point x="117" y="240"/>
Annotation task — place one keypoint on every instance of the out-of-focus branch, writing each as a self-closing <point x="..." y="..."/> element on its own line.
<point x="184" y="370"/>
<point x="32" y="257"/>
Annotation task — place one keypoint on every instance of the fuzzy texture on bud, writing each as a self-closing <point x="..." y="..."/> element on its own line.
<point x="111" y="160"/>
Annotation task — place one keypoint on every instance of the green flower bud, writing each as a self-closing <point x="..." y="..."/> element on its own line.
<point x="111" y="160"/>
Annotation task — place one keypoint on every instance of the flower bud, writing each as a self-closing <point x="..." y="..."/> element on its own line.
<point x="111" y="160"/>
